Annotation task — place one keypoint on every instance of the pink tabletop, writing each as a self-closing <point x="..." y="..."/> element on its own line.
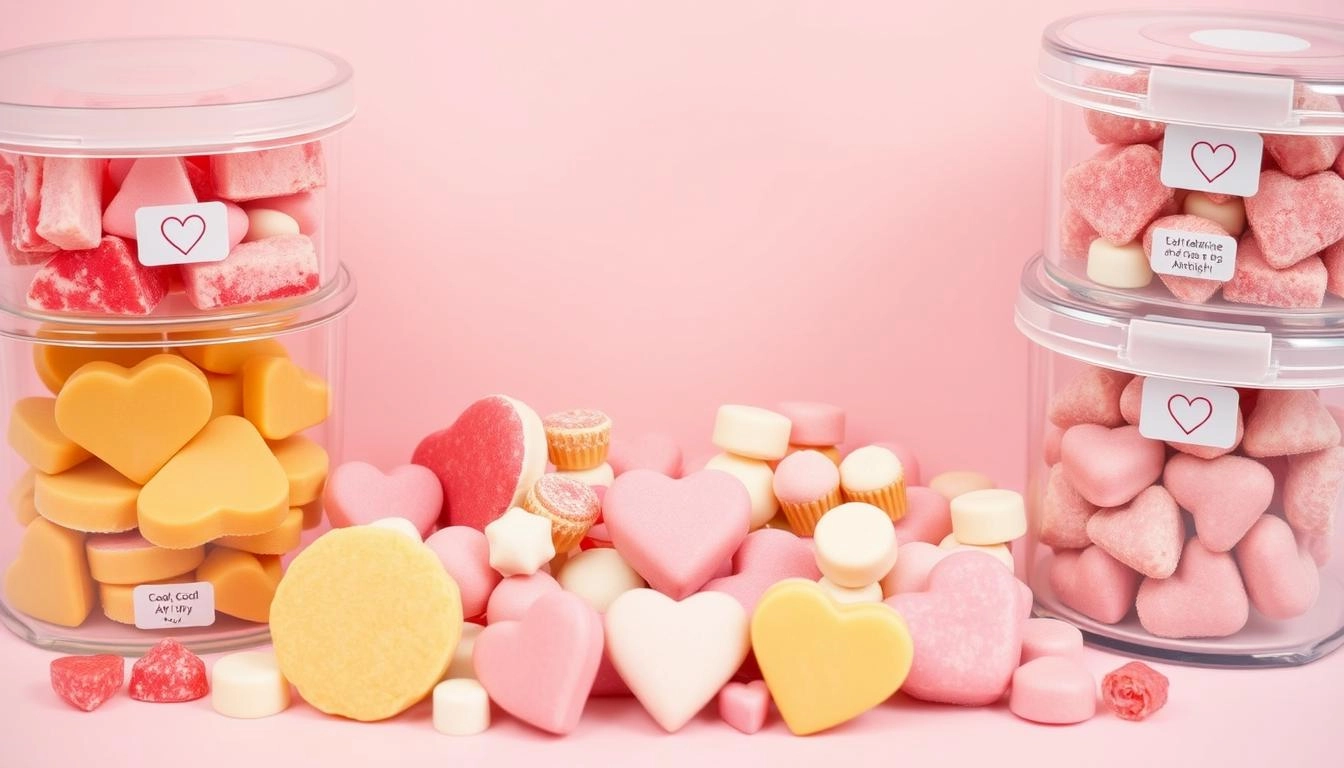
<point x="1214" y="718"/>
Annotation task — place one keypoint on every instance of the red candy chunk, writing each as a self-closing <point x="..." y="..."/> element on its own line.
<point x="1300" y="156"/>
<point x="279" y="267"/>
<point x="168" y="673"/>
<point x="1117" y="129"/>
<point x="1134" y="691"/>
<point x="28" y="206"/>
<point x="71" y="214"/>
<point x="1119" y="191"/>
<point x="269" y="172"/>
<point x="1296" y="218"/>
<point x="105" y="280"/>
<point x="87" y="681"/>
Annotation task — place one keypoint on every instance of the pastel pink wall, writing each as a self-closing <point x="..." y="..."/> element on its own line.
<point x="657" y="207"/>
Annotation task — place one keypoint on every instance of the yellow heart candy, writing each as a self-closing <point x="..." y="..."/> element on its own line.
<point x="33" y="435"/>
<point x="244" y="583"/>
<point x="134" y="419"/>
<point x="49" y="578"/>
<point x="55" y="363"/>
<point x="826" y="663"/>
<point x="280" y="541"/>
<point x="228" y="357"/>
<point x="281" y="398"/>
<point x="306" y="464"/>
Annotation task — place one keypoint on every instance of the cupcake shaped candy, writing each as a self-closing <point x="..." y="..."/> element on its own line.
<point x="578" y="438"/>
<point x="807" y="485"/>
<point x="569" y="504"/>
<point x="874" y="475"/>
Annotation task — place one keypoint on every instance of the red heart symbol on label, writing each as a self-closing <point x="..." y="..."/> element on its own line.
<point x="1211" y="161"/>
<point x="1189" y="414"/>
<point x="183" y="234"/>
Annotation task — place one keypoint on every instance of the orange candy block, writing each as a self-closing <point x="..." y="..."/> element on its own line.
<point x="54" y="364"/>
<point x="281" y="398"/>
<point x="49" y="579"/>
<point x="92" y="497"/>
<point x="229" y="357"/>
<point x="118" y="600"/>
<point x="21" y="498"/>
<point x="312" y="515"/>
<point x="33" y="434"/>
<point x="134" y="419"/>
<point x="226" y="394"/>
<point x="127" y="558"/>
<point x="225" y="482"/>
<point x="305" y="464"/>
<point x="244" y="583"/>
<point x="283" y="539"/>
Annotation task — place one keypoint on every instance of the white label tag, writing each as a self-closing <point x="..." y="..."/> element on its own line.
<point x="191" y="233"/>
<point x="1212" y="160"/>
<point x="1182" y="412"/>
<point x="172" y="606"/>
<point x="1192" y="254"/>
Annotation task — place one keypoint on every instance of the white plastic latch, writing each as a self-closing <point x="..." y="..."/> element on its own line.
<point x="1210" y="352"/>
<point x="1219" y="98"/>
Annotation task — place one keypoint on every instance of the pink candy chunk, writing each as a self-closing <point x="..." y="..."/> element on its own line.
<point x="1296" y="218"/>
<point x="1311" y="490"/>
<point x="767" y="556"/>
<point x="465" y="554"/>
<point x="1300" y="156"/>
<point x="1117" y="129"/>
<point x="1108" y="467"/>
<point x="1333" y="259"/>
<point x="928" y="515"/>
<point x="71" y="211"/>
<point x="745" y="705"/>
<point x="1255" y="282"/>
<point x="28" y="206"/>
<point x="1145" y="535"/>
<point x="1050" y="637"/>
<point x="1090" y="397"/>
<point x="1204" y="598"/>
<point x="1064" y="514"/>
<point x="1287" y="422"/>
<point x="1055" y="690"/>
<point x="814" y="424"/>
<point x="279" y="267"/>
<point x="106" y="280"/>
<point x="150" y="181"/>
<point x="1075" y="234"/>
<point x="1193" y="290"/>
<point x="243" y="176"/>
<point x="1094" y="584"/>
<point x="654" y="450"/>
<point x="1118" y="191"/>
<point x="1134" y="691"/>
<point x="1225" y="496"/>
<point x="1281" y="578"/>
<point x="305" y="208"/>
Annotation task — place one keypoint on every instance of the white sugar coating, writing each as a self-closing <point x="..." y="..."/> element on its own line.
<point x="599" y="576"/>
<point x="398" y="524"/>
<point x="460" y="666"/>
<point x="248" y="685"/>
<point x="577" y="419"/>
<point x="850" y="595"/>
<point x="989" y="516"/>
<point x="870" y="468"/>
<point x="856" y="544"/>
<point x="752" y="432"/>
<point x="759" y="480"/>
<point x="461" y="707"/>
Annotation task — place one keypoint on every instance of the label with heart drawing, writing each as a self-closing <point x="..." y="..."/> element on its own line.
<point x="190" y="233"/>
<point x="1193" y="254"/>
<point x="1212" y="160"/>
<point x="1183" y="412"/>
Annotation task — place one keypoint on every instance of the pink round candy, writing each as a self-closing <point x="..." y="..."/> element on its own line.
<point x="1055" y="690"/>
<point x="516" y="594"/>
<point x="805" y="476"/>
<point x="1050" y="637"/>
<point x="655" y="451"/>
<point x="465" y="554"/>
<point x="928" y="516"/>
<point x="814" y="424"/>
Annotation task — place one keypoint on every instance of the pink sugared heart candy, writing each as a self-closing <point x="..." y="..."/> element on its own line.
<point x="169" y="672"/>
<point x="87" y="681"/>
<point x="1118" y="191"/>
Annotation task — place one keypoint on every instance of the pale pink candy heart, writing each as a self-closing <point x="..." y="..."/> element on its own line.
<point x="1288" y="421"/>
<point x="514" y="595"/>
<point x="1295" y="218"/>
<point x="1311" y="490"/>
<point x="358" y="493"/>
<point x="654" y="450"/>
<point x="1131" y="403"/>
<point x="677" y="533"/>
<point x="914" y="562"/>
<point x="1056" y="690"/>
<point x="1064" y="513"/>
<point x="540" y="669"/>
<point x="676" y="655"/>
<point x="745" y="705"/>
<point x="1281" y="578"/>
<point x="1204" y="598"/>
<point x="971" y="611"/>
<point x="1225" y="496"/>
<point x="1051" y="637"/>
<point x="767" y="556"/>
<point x="1094" y="584"/>
<point x="465" y="554"/>
<point x="1109" y="467"/>
<point x="1147" y="534"/>
<point x="1090" y="397"/>
<point x="928" y="516"/>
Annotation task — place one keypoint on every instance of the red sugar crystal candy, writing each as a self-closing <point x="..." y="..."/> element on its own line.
<point x="1118" y="191"/>
<point x="169" y="673"/>
<point x="1134" y="691"/>
<point x="1075" y="234"/>
<point x="87" y="681"/>
<point x="279" y="267"/>
<point x="106" y="280"/>
<point x="268" y="172"/>
<point x="1300" y="156"/>
<point x="1296" y="218"/>
<point x="1117" y="129"/>
<point x="1256" y="282"/>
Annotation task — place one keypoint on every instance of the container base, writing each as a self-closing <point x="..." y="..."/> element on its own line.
<point x="100" y="635"/>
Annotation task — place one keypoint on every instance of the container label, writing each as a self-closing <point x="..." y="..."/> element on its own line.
<point x="172" y="606"/>
<point x="1183" y="412"/>
<point x="191" y="233"/>
<point x="1193" y="254"/>
<point x="1212" y="159"/>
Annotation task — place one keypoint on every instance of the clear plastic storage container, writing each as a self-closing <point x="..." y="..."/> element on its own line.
<point x="160" y="471"/>
<point x="1185" y="473"/>
<point x="167" y="177"/>
<point x="1196" y="159"/>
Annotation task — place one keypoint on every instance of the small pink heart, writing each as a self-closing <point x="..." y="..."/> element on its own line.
<point x="540" y="669"/>
<point x="1064" y="513"/>
<point x="1282" y="579"/>
<point x="1212" y="161"/>
<point x="1094" y="584"/>
<point x="914" y="564"/>
<point x="972" y="610"/>
<point x="465" y="554"/>
<point x="745" y="705"/>
<point x="1203" y="598"/>
<point x="1287" y="422"/>
<point x="1109" y="467"/>
<point x="358" y="493"/>
<point x="514" y="595"/>
<point x="767" y="556"/>
<point x="1092" y="188"/>
<point x="677" y="533"/>
<point x="1224" y="495"/>
<point x="1146" y="534"/>
<point x="183" y="234"/>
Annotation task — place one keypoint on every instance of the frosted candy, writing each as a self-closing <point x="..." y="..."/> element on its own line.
<point x="28" y="206"/>
<point x="1118" y="191"/>
<point x="278" y="267"/>
<point x="1090" y="397"/>
<point x="289" y="170"/>
<point x="1145" y="535"/>
<point x="169" y="672"/>
<point x="1287" y="421"/>
<point x="1300" y="286"/>
<point x="1203" y="598"/>
<point x="1118" y="129"/>
<point x="1134" y="691"/>
<point x="1194" y="290"/>
<point x="1311" y="489"/>
<point x="1333" y="259"/>
<point x="107" y="280"/>
<point x="1064" y="514"/>
<point x="87" y="681"/>
<point x="1075" y="234"/>
<point x="1296" y="218"/>
<point x="71" y="212"/>
<point x="150" y="181"/>
<point x="1304" y="155"/>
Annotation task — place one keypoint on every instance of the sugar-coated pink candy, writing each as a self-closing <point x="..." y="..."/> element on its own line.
<point x="1064" y="513"/>
<point x="1050" y="441"/>
<point x="1118" y="129"/>
<point x="1304" y="155"/>
<point x="805" y="476"/>
<point x="106" y="280"/>
<point x="465" y="554"/>
<point x="304" y="207"/>
<point x="1075" y="234"/>
<point x="240" y="176"/>
<point x="1108" y="467"/>
<point x="1311" y="489"/>
<point x="1050" y="637"/>
<point x="1319" y="545"/>
<point x="1333" y="259"/>
<point x="1300" y="286"/>
<point x="87" y="681"/>
<point x="1288" y="421"/>
<point x="767" y="556"/>
<point x="1118" y="191"/>
<point x="169" y="672"/>
<point x="1092" y="396"/>
<point x="277" y="267"/>
<point x="914" y="563"/>
<point x="150" y="181"/>
<point x="1204" y="598"/>
<point x="745" y="705"/>
<point x="1225" y="496"/>
<point x="928" y="516"/>
<point x="1094" y="584"/>
<point x="511" y="598"/>
<point x="28" y="206"/>
<point x="1055" y="690"/>
<point x="966" y="630"/>
<point x="909" y="461"/>
<point x="653" y="450"/>
<point x="1146" y="534"/>
<point x="1134" y="691"/>
<point x="1282" y="579"/>
<point x="1192" y="290"/>
<point x="1296" y="218"/>
<point x="1131" y="402"/>
<point x="814" y="424"/>
<point x="71" y="211"/>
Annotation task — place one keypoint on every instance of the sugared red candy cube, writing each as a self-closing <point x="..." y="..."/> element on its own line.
<point x="1118" y="191"/>
<point x="28" y="206"/>
<point x="269" y="172"/>
<point x="278" y="267"/>
<point x="106" y="280"/>
<point x="87" y="681"/>
<point x="71" y="211"/>
<point x="169" y="673"/>
<point x="1296" y="218"/>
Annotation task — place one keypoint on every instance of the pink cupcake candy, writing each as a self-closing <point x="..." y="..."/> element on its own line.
<point x="807" y="485"/>
<point x="815" y="425"/>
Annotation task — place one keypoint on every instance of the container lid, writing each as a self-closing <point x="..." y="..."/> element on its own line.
<point x="168" y="95"/>
<point x="1251" y="71"/>
<point x="1187" y="343"/>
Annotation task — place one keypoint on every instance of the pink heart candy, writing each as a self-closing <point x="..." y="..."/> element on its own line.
<point x="1288" y="421"/>
<point x="1109" y="467"/>
<point x="677" y="533"/>
<point x="1282" y="579"/>
<point x="1146" y="534"/>
<point x="1118" y="191"/>
<point x="745" y="705"/>
<point x="465" y="554"/>
<point x="541" y="668"/>
<point x="972" y="610"/>
<point x="512" y="598"/>
<point x="767" y="556"/>
<point x="1203" y="598"/>
<point x="928" y="516"/>
<point x="358" y="493"/>
<point x="1056" y="690"/>
<point x="914" y="563"/>
<point x="1300" y="286"/>
<point x="1311" y="490"/>
<point x="655" y="451"/>
<point x="1295" y="218"/>
<point x="1094" y="584"/>
<point x="1090" y="397"/>
<point x="1224" y="495"/>
<point x="1064" y="513"/>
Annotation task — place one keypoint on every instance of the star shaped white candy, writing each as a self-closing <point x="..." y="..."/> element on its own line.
<point x="520" y="543"/>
